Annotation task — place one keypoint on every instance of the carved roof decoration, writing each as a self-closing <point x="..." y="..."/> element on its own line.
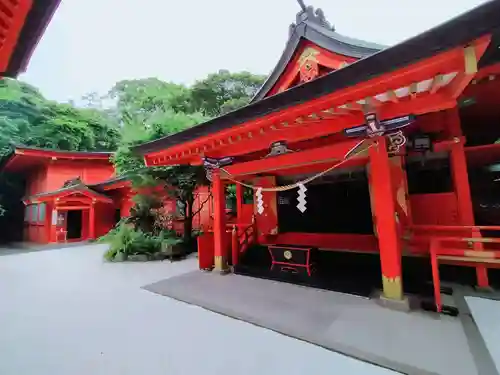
<point x="73" y="182"/>
<point x="311" y="24"/>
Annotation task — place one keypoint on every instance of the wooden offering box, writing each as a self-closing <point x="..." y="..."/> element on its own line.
<point x="294" y="259"/>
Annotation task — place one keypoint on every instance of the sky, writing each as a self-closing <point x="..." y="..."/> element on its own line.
<point x="91" y="44"/>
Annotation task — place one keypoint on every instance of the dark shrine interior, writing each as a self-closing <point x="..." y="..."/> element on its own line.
<point x="339" y="207"/>
<point x="74" y="224"/>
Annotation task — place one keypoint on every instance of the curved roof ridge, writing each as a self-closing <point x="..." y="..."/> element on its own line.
<point x="312" y="25"/>
<point x="346" y="39"/>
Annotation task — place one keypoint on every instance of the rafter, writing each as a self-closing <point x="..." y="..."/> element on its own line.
<point x="391" y="95"/>
<point x="464" y="77"/>
<point x="436" y="83"/>
<point x="412" y="90"/>
<point x="373" y="102"/>
<point x="353" y="106"/>
<point x="333" y="111"/>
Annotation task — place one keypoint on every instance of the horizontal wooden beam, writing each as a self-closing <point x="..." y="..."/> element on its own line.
<point x="291" y="135"/>
<point x="333" y="153"/>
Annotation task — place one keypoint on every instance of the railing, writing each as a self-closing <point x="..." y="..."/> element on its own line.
<point x="459" y="248"/>
<point x="423" y="234"/>
<point x="242" y="237"/>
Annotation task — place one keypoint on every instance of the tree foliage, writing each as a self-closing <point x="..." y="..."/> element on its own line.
<point x="27" y="118"/>
<point x="224" y="91"/>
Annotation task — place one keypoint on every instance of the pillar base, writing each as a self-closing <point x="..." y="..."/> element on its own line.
<point x="221" y="265"/>
<point x="394" y="304"/>
<point x="392" y="288"/>
<point x="484" y="289"/>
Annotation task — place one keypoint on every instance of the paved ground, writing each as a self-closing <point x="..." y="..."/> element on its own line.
<point x="66" y="312"/>
<point x="487" y="317"/>
<point x="413" y="343"/>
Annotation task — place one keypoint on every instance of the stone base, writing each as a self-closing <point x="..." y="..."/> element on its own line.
<point x="394" y="304"/>
<point x="225" y="271"/>
<point x="484" y="289"/>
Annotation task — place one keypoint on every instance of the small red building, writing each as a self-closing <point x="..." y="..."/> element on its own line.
<point x="74" y="196"/>
<point x="353" y="147"/>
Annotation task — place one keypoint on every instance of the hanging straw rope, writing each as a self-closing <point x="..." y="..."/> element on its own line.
<point x="302" y="182"/>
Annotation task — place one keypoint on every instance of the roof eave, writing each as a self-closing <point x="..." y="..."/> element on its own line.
<point x="480" y="21"/>
<point x="35" y="24"/>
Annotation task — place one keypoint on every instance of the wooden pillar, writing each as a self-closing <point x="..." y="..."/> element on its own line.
<point x="92" y="221"/>
<point x="458" y="164"/>
<point x="460" y="175"/>
<point x="239" y="203"/>
<point x="461" y="183"/>
<point x="53" y="225"/>
<point x="383" y="198"/>
<point x="220" y="246"/>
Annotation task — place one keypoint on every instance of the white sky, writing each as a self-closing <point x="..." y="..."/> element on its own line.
<point x="91" y="44"/>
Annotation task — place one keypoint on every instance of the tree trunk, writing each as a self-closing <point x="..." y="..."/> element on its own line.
<point x="188" y="222"/>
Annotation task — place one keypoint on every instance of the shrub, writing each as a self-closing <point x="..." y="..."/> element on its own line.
<point x="126" y="241"/>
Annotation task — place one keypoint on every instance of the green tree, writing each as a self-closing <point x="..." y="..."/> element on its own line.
<point x="224" y="91"/>
<point x="180" y="182"/>
<point x="149" y="109"/>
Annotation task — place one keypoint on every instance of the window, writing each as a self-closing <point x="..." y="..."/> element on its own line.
<point x="34" y="213"/>
<point x="41" y="212"/>
<point x="429" y="177"/>
<point x="27" y="211"/>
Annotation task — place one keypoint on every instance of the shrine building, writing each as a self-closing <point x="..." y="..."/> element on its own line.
<point x="75" y="196"/>
<point x="354" y="150"/>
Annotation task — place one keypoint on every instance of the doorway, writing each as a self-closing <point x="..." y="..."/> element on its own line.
<point x="74" y="224"/>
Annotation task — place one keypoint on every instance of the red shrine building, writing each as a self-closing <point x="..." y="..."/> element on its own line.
<point x="75" y="196"/>
<point x="353" y="151"/>
<point x="60" y="203"/>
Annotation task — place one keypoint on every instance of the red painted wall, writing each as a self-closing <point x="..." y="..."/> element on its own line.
<point x="36" y="181"/>
<point x="90" y="172"/>
<point x="434" y="209"/>
<point x="104" y="218"/>
<point x="356" y="242"/>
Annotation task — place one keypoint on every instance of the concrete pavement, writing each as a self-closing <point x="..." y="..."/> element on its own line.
<point x="66" y="312"/>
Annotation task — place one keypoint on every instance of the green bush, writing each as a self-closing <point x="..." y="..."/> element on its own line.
<point x="126" y="241"/>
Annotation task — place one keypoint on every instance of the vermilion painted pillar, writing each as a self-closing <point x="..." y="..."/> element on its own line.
<point x="383" y="201"/>
<point x="461" y="183"/>
<point x="220" y="246"/>
<point x="92" y="221"/>
<point x="239" y="202"/>
<point x="53" y="225"/>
